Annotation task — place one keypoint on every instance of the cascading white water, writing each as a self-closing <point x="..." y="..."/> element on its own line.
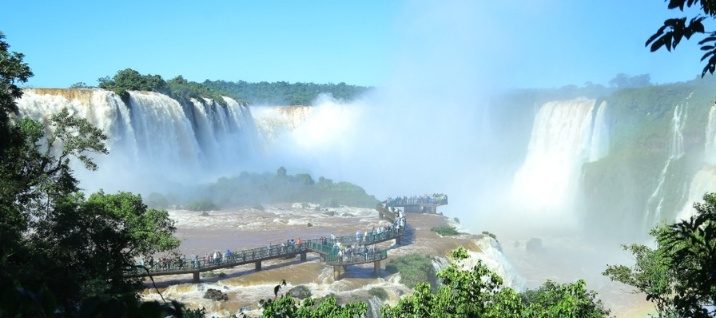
<point x="152" y="136"/>
<point x="163" y="131"/>
<point x="205" y="126"/>
<point x="599" y="143"/>
<point x="710" y="147"/>
<point x="274" y="121"/>
<point x="705" y="179"/>
<point x="565" y="135"/>
<point x="654" y="205"/>
<point x="374" y="305"/>
<point x="103" y="109"/>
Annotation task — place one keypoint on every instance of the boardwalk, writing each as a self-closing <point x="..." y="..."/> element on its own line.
<point x="325" y="247"/>
<point x="417" y="204"/>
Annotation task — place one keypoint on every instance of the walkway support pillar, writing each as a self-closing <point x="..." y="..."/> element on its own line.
<point x="303" y="257"/>
<point x="195" y="277"/>
<point x="376" y="267"/>
<point x="336" y="272"/>
<point x="258" y="266"/>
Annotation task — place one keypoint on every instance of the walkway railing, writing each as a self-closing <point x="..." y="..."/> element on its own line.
<point x="357" y="258"/>
<point x="324" y="246"/>
<point x="226" y="260"/>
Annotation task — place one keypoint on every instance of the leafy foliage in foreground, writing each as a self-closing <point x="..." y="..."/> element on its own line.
<point x="285" y="306"/>
<point x="478" y="292"/>
<point x="679" y="275"/>
<point x="62" y="254"/>
<point x="670" y="34"/>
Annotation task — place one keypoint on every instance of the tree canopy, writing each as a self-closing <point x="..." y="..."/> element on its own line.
<point x="679" y="275"/>
<point x="178" y="87"/>
<point x="479" y="292"/>
<point x="284" y="93"/>
<point x="63" y="254"/>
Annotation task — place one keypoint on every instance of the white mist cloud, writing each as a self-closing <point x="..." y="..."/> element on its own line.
<point x="426" y="129"/>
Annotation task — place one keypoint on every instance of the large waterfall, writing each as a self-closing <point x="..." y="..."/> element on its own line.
<point x="655" y="203"/>
<point x="152" y="136"/>
<point x="565" y="135"/>
<point x="274" y="121"/>
<point x="705" y="179"/>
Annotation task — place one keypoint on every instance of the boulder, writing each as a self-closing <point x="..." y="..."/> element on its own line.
<point x="216" y="295"/>
<point x="299" y="292"/>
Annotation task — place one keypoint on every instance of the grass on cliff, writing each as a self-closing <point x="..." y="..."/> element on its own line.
<point x="413" y="269"/>
<point x="445" y="230"/>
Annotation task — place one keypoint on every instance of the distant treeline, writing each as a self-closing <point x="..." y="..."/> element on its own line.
<point x="178" y="87"/>
<point x="283" y="93"/>
<point x="261" y="93"/>
<point x="254" y="189"/>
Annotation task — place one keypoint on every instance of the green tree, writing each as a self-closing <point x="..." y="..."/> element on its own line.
<point x="679" y="276"/>
<point x="62" y="254"/>
<point x="670" y="34"/>
<point x="80" y="85"/>
<point x="285" y="306"/>
<point x="564" y="300"/>
<point x="651" y="275"/>
<point x="479" y="292"/>
<point x="131" y="80"/>
<point x="13" y="71"/>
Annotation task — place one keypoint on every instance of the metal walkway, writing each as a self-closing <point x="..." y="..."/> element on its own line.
<point x="325" y="247"/>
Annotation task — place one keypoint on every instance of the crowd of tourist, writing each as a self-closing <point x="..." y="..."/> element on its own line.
<point x="166" y="263"/>
<point x="425" y="199"/>
<point x="344" y="248"/>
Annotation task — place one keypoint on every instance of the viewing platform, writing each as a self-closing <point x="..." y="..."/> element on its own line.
<point x="417" y="204"/>
<point x="325" y="247"/>
<point x="339" y="263"/>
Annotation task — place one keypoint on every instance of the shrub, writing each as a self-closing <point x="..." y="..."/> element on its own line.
<point x="203" y="205"/>
<point x="445" y="230"/>
<point x="413" y="269"/>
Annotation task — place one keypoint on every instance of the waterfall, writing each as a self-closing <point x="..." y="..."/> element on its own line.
<point x="103" y="109"/>
<point x="599" y="143"/>
<point x="274" y="121"/>
<point x="151" y="136"/>
<point x="710" y="147"/>
<point x="654" y="205"/>
<point x="374" y="304"/>
<point x="565" y="135"/>
<point x="164" y="133"/>
<point x="705" y="179"/>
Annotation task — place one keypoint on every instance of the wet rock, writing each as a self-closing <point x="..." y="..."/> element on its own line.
<point x="216" y="295"/>
<point x="299" y="292"/>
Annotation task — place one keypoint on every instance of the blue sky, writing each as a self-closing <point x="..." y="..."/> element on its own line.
<point x="534" y="43"/>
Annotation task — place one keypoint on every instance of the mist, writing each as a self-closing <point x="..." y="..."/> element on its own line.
<point x="427" y="127"/>
<point x="432" y="126"/>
